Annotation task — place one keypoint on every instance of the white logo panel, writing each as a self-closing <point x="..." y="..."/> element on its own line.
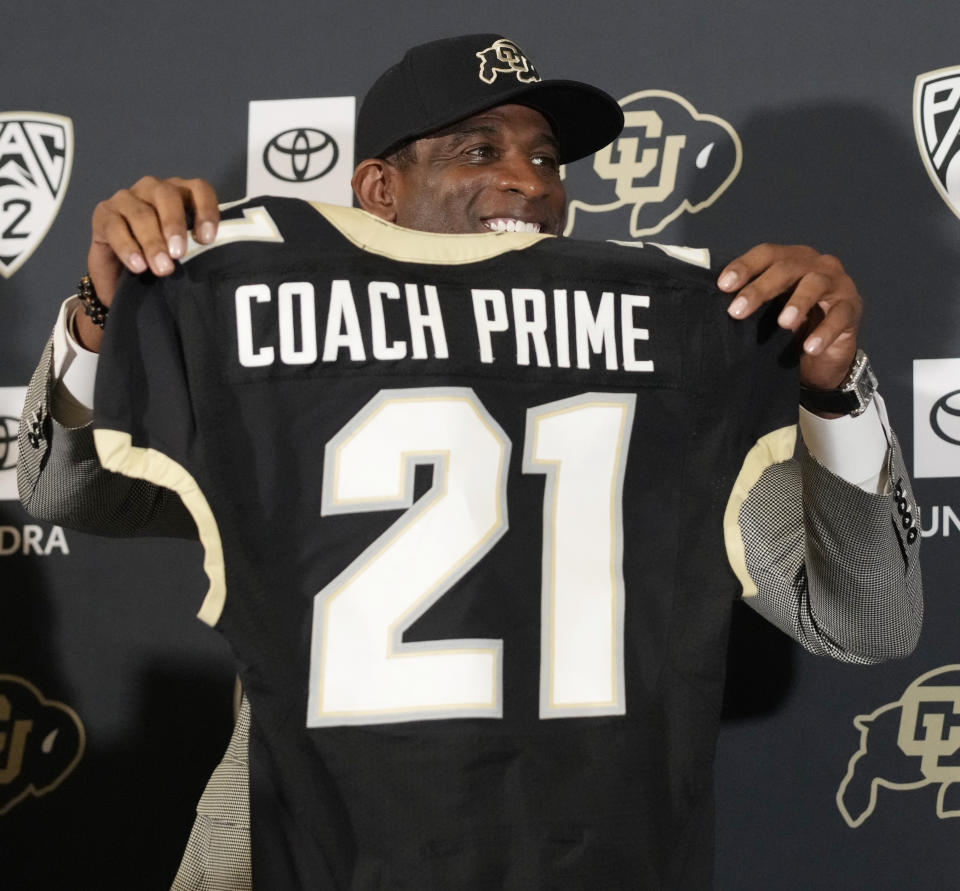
<point x="36" y="154"/>
<point x="302" y="148"/>
<point x="936" y="417"/>
<point x="11" y="405"/>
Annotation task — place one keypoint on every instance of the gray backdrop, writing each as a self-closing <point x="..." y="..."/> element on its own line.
<point x="815" y="103"/>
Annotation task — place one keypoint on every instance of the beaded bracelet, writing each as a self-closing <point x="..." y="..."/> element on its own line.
<point x="92" y="305"/>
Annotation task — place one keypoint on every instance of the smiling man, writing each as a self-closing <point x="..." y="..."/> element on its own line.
<point x="463" y="137"/>
<point x="496" y="171"/>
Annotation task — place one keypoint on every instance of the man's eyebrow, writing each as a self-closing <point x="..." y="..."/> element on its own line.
<point x="463" y="130"/>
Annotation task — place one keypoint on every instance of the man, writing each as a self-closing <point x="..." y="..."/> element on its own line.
<point x="462" y="137"/>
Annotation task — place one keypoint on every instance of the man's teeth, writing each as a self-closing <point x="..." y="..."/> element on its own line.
<point x="507" y="224"/>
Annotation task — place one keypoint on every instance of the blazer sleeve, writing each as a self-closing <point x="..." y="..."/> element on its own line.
<point x="835" y="567"/>
<point x="61" y="480"/>
<point x="218" y="850"/>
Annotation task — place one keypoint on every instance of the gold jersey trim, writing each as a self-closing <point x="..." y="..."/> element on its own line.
<point x="378" y="236"/>
<point x="117" y="453"/>
<point x="771" y="449"/>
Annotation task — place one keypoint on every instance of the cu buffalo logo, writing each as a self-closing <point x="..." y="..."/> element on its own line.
<point x="301" y="155"/>
<point x="668" y="160"/>
<point x="506" y="58"/>
<point x="41" y="742"/>
<point x="936" y="122"/>
<point x="908" y="744"/>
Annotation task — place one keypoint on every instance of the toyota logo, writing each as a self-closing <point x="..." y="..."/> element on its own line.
<point x="300" y="155"/>
<point x="8" y="442"/>
<point x="944" y="414"/>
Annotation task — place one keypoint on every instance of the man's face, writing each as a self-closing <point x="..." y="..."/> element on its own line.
<point x="497" y="170"/>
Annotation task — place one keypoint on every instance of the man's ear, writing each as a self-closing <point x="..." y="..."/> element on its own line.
<point x="374" y="185"/>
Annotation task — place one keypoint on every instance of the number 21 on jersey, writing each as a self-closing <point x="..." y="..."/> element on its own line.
<point x="361" y="671"/>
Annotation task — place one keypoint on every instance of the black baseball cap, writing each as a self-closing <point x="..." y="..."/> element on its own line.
<point x="439" y="83"/>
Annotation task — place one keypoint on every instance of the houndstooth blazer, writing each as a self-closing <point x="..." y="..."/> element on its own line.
<point x="834" y="567"/>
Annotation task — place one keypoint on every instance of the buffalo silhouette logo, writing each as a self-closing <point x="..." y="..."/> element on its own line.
<point x="908" y="744"/>
<point x="505" y="57"/>
<point x="670" y="159"/>
<point x="41" y="742"/>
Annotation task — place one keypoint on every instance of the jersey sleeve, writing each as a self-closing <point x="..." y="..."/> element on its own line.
<point x="144" y="416"/>
<point x="141" y="387"/>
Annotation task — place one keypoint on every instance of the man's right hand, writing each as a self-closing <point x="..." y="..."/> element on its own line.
<point x="144" y="227"/>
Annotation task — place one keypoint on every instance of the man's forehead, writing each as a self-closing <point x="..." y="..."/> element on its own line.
<point x="501" y="119"/>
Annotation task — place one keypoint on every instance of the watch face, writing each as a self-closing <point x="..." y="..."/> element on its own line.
<point x="864" y="384"/>
<point x="851" y="398"/>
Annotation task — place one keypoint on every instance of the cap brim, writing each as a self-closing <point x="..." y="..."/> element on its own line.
<point x="584" y="118"/>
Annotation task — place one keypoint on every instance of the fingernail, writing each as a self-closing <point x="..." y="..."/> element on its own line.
<point x="788" y="316"/>
<point x="176" y="246"/>
<point x="727" y="280"/>
<point x="207" y="233"/>
<point x="136" y="263"/>
<point x="813" y="344"/>
<point x="738" y="307"/>
<point x="163" y="264"/>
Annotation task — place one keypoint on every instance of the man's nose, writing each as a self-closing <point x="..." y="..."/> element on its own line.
<point x="520" y="174"/>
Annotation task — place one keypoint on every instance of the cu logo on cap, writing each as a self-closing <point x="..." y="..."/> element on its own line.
<point x="945" y="413"/>
<point x="300" y="155"/>
<point x="505" y="57"/>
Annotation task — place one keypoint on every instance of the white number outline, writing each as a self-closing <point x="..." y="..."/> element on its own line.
<point x="582" y="590"/>
<point x="325" y="684"/>
<point x="342" y="674"/>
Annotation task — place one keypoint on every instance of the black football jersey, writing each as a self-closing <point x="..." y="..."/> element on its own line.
<point x="462" y="499"/>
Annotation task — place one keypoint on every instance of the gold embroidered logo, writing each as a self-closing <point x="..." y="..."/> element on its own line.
<point x="41" y="742"/>
<point x="506" y="58"/>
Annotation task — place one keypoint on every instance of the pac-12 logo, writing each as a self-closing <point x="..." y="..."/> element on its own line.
<point x="908" y="744"/>
<point x="36" y="154"/>
<point x="41" y="742"/>
<point x="669" y="158"/>
<point x="936" y="121"/>
<point x="301" y="154"/>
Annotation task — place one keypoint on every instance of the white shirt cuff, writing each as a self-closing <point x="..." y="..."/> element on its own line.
<point x="74" y="370"/>
<point x="855" y="449"/>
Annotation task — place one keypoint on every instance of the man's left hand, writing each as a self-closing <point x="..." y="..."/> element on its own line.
<point x="823" y="306"/>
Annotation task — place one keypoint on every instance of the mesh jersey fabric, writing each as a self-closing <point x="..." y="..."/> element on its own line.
<point x="561" y="424"/>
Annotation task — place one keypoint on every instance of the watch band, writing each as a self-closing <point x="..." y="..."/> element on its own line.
<point x="851" y="398"/>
